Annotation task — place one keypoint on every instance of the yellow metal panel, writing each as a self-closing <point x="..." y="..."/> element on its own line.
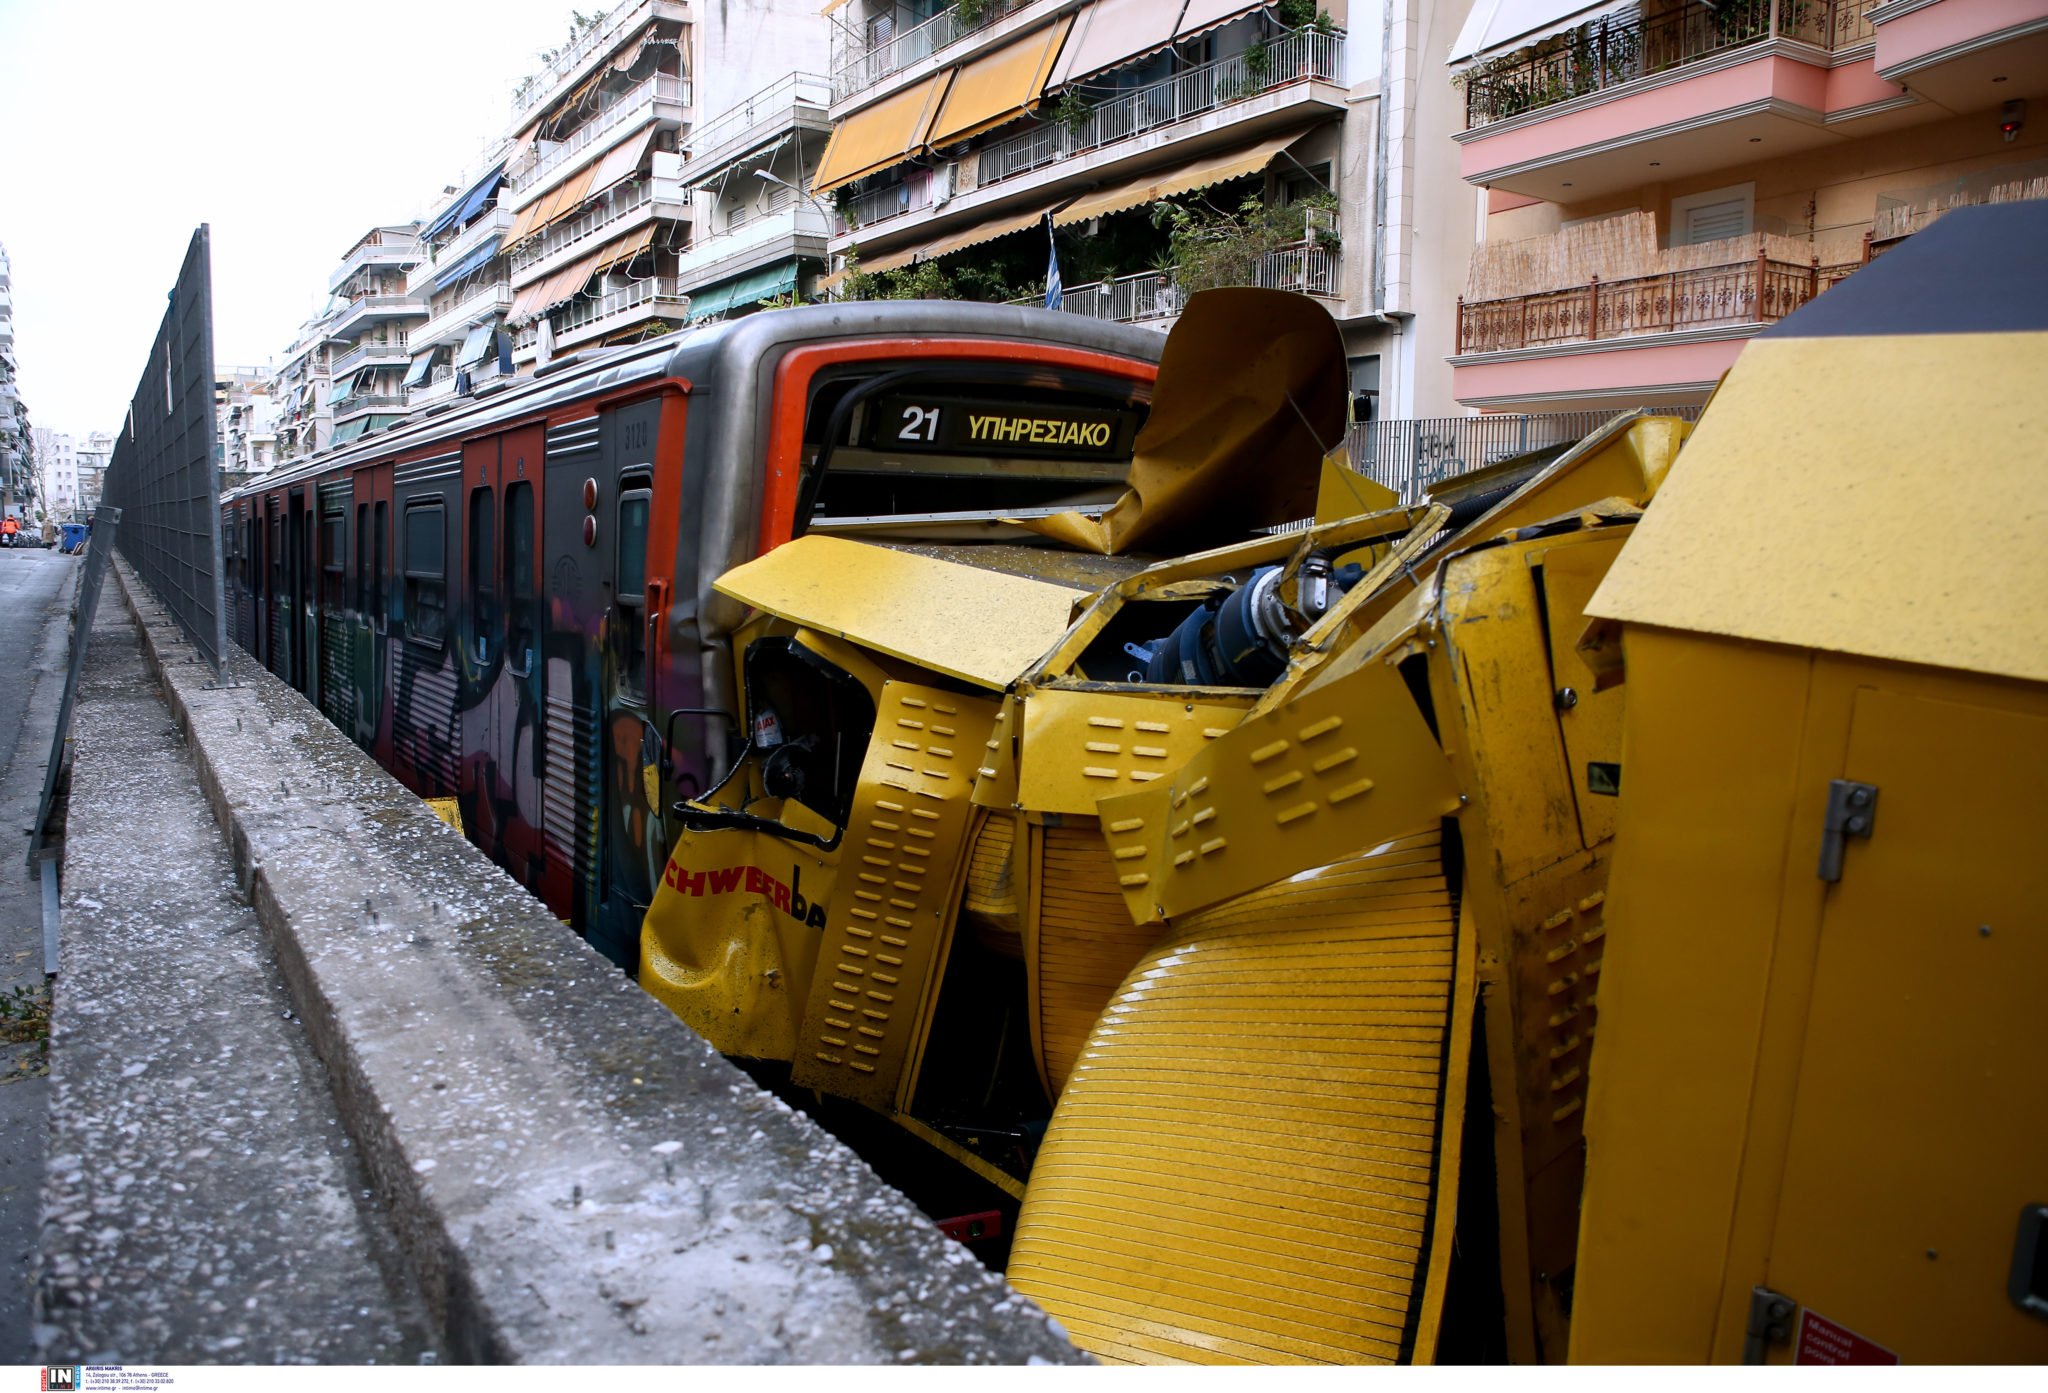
<point x="1243" y="1167"/>
<point x="1083" y="943"/>
<point x="892" y="907"/>
<point x="1714" y="737"/>
<point x="1083" y="746"/>
<point x="1821" y="503"/>
<point x="1589" y="718"/>
<point x="981" y="626"/>
<point x="1338" y="769"/>
<point x="995" y="778"/>
<point x="1926" y="1006"/>
<point x="993" y="901"/>
<point x="1346" y="493"/>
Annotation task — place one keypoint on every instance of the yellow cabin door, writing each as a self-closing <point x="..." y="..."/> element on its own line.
<point x="1919" y="1136"/>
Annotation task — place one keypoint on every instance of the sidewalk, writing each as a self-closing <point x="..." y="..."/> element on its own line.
<point x="203" y="1202"/>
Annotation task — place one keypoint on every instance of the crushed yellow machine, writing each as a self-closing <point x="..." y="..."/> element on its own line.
<point x="1310" y="970"/>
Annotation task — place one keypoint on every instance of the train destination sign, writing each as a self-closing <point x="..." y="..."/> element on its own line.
<point x="939" y="425"/>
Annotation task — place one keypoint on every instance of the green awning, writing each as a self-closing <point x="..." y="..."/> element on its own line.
<point x="363" y="425"/>
<point x="744" y="291"/>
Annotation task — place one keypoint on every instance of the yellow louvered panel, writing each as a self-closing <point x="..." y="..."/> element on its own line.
<point x="899" y="873"/>
<point x="1086" y="942"/>
<point x="993" y="904"/>
<point x="1243" y="1164"/>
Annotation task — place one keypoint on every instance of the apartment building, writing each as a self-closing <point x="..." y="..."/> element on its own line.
<point x="56" y="467"/>
<point x="299" y="393"/>
<point x="1285" y="132"/>
<point x="598" y="207"/>
<point x="1661" y="180"/>
<point x="464" y="275"/>
<point x="369" y="329"/>
<point x="16" y="443"/>
<point x="95" y="453"/>
<point x="245" y="425"/>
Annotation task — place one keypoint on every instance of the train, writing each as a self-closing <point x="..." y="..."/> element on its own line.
<point x="509" y="603"/>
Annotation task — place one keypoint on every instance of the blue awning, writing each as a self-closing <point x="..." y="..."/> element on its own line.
<point x="417" y="373"/>
<point x="475" y="346"/>
<point x="468" y="265"/>
<point x="468" y="206"/>
<point x="743" y="292"/>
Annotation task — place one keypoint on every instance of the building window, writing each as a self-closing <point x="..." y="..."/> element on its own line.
<point x="1713" y="215"/>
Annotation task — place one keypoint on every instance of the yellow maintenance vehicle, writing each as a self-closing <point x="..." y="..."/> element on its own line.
<point x="1243" y="902"/>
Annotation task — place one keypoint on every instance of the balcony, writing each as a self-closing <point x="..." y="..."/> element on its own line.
<point x="1657" y="338"/>
<point x="386" y="350"/>
<point x="859" y="65"/>
<point x="376" y="250"/>
<point x="628" y="205"/>
<point x="1966" y="55"/>
<point x="1610" y="53"/>
<point x="357" y="313"/>
<point x="639" y="104"/>
<point x="622" y="20"/>
<point x="583" y="320"/>
<point x="799" y="99"/>
<point x="1591" y="112"/>
<point x="474" y="309"/>
<point x="1306" y="269"/>
<point x="1304" y="56"/>
<point x="864" y="210"/>
<point x="495" y="223"/>
<point x="350" y="407"/>
<point x="788" y="227"/>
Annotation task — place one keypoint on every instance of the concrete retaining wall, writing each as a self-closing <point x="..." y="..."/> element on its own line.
<point x="577" y="1178"/>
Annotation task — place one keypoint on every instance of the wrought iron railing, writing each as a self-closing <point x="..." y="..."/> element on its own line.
<point x="863" y="63"/>
<point x="1409" y="456"/>
<point x="880" y="205"/>
<point x="1299" y="57"/>
<point x="1757" y="291"/>
<point x="1617" y="49"/>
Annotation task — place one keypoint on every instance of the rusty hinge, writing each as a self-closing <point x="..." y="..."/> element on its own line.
<point x="1770" y="1323"/>
<point x="1852" y="812"/>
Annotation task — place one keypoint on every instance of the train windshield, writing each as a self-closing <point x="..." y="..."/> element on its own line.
<point x="935" y="449"/>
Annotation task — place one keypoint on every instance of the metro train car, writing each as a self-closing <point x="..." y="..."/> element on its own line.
<point x="509" y="603"/>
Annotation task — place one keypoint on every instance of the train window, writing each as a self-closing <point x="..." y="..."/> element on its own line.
<point x="631" y="582"/>
<point x="380" y="608"/>
<point x="334" y="560"/>
<point x="483" y="570"/>
<point x="426" y="571"/>
<point x="363" y="559"/>
<point x="519" y="573"/>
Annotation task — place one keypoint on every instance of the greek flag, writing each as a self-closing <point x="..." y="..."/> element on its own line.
<point x="1053" y="293"/>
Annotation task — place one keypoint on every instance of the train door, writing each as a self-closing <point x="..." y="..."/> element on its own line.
<point x="371" y="619"/>
<point x="426" y="509"/>
<point x="601" y="742"/>
<point x="337" y="699"/>
<point x="297" y="583"/>
<point x="479" y="641"/>
<point x="275" y="653"/>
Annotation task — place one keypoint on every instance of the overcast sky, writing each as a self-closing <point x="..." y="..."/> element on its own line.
<point x="291" y="128"/>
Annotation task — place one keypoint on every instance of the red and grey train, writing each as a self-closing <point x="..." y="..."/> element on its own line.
<point x="509" y="602"/>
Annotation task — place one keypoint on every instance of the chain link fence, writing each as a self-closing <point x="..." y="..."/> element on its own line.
<point x="1410" y="456"/>
<point x="165" y="473"/>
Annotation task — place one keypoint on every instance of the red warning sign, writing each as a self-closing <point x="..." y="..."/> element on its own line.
<point x="1821" y="1341"/>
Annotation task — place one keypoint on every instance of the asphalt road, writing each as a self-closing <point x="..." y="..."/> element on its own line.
<point x="35" y="592"/>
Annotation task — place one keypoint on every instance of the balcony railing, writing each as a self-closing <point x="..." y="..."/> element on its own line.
<point x="352" y="406"/>
<point x="767" y="109"/>
<point x="461" y="315"/>
<point x="889" y="50"/>
<point x="585" y="312"/>
<point x="1299" y="57"/>
<point x="1409" y="456"/>
<point x="1305" y="269"/>
<point x="621" y="18"/>
<point x="880" y="205"/>
<point x="392" y="347"/>
<point x="591" y="222"/>
<point x="637" y="102"/>
<point x="376" y="249"/>
<point x="1611" y="51"/>
<point x="1757" y="291"/>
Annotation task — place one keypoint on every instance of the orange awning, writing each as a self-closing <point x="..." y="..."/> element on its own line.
<point x="625" y="249"/>
<point x="998" y="86"/>
<point x="878" y="136"/>
<point x="981" y="232"/>
<point x="1111" y="33"/>
<point x="549" y="291"/>
<point x="569" y="195"/>
<point x="1231" y="164"/>
<point x="621" y="161"/>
